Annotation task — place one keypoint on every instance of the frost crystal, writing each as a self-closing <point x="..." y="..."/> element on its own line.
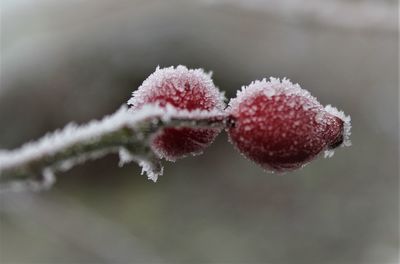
<point x="347" y="123"/>
<point x="181" y="89"/>
<point x="152" y="170"/>
<point x="271" y="88"/>
<point x="125" y="157"/>
<point x="178" y="112"/>
<point x="73" y="135"/>
<point x="282" y="127"/>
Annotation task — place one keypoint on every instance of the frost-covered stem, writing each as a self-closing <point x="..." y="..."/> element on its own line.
<point x="124" y="130"/>
<point x="33" y="167"/>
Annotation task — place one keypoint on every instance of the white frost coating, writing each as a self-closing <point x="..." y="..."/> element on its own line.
<point x="48" y="178"/>
<point x="274" y="87"/>
<point x="175" y="77"/>
<point x="169" y="111"/>
<point x="271" y="87"/>
<point x="180" y="90"/>
<point x="125" y="157"/>
<point x="192" y="117"/>
<point x="73" y="134"/>
<point x="153" y="171"/>
<point x="346" y="121"/>
<point x="329" y="153"/>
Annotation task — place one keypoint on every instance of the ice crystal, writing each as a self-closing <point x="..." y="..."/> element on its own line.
<point x="282" y="127"/>
<point x="183" y="89"/>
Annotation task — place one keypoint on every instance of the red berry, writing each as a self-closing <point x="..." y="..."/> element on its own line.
<point x="282" y="127"/>
<point x="183" y="89"/>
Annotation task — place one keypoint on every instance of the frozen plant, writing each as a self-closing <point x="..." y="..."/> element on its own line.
<point x="178" y="112"/>
<point x="182" y="89"/>
<point x="282" y="127"/>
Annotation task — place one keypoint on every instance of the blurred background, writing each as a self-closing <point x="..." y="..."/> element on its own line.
<point x="77" y="60"/>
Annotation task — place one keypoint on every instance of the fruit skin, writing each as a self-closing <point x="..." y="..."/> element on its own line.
<point x="183" y="89"/>
<point x="281" y="127"/>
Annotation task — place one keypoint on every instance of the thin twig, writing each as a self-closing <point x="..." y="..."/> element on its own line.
<point x="32" y="166"/>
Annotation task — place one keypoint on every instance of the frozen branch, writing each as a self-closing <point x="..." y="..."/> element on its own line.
<point x="127" y="132"/>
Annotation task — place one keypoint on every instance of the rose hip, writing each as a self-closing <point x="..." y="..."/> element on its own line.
<point x="282" y="127"/>
<point x="183" y="89"/>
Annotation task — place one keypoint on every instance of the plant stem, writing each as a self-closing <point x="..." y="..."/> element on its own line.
<point x="124" y="130"/>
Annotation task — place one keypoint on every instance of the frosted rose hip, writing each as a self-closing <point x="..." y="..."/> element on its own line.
<point x="282" y="127"/>
<point x="183" y="89"/>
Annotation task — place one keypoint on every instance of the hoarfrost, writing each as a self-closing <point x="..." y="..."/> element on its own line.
<point x="152" y="169"/>
<point x="347" y="123"/>
<point x="180" y="79"/>
<point x="72" y="134"/>
<point x="320" y="117"/>
<point x="125" y="157"/>
<point x="270" y="88"/>
<point x="329" y="153"/>
<point x="289" y="120"/>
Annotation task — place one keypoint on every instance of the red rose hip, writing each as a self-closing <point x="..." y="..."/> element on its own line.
<point x="282" y="127"/>
<point x="183" y="89"/>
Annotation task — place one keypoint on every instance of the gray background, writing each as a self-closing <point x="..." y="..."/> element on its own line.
<point x="65" y="61"/>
